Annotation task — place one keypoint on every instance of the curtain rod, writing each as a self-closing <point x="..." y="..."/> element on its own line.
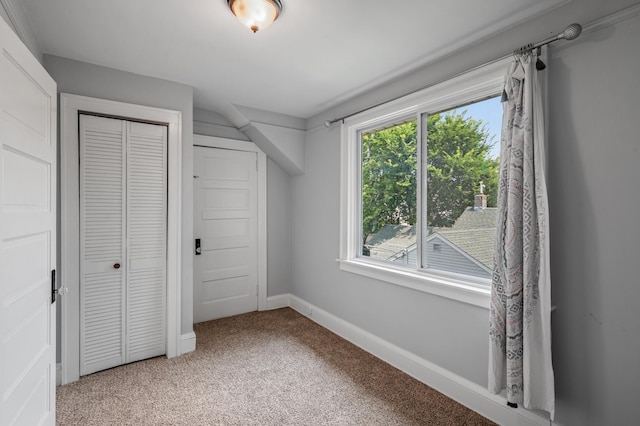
<point x="571" y="32"/>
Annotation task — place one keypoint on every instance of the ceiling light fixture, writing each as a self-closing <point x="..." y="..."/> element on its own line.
<point x="256" y="14"/>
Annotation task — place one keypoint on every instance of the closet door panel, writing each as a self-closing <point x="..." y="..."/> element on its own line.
<point x="102" y="238"/>
<point x="146" y="230"/>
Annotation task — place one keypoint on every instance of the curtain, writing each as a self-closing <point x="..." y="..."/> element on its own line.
<point x="520" y="316"/>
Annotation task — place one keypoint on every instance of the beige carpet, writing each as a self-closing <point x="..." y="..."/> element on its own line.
<point x="263" y="368"/>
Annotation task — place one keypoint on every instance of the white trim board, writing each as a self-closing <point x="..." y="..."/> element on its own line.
<point x="466" y="392"/>
<point x="278" y="302"/>
<point x="187" y="343"/>
<point x="70" y="106"/>
<point x="58" y="374"/>
<point x="240" y="145"/>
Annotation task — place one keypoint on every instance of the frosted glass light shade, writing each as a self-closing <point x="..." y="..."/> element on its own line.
<point x="256" y="14"/>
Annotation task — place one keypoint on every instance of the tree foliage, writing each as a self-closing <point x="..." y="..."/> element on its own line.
<point x="458" y="160"/>
<point x="389" y="162"/>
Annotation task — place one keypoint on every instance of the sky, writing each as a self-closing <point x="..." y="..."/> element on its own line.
<point x="490" y="113"/>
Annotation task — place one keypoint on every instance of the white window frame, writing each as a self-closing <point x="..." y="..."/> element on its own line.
<point x="475" y="85"/>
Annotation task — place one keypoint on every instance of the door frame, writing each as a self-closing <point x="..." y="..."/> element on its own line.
<point x="240" y="145"/>
<point x="70" y="107"/>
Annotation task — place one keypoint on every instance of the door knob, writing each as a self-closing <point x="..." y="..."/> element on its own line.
<point x="117" y="266"/>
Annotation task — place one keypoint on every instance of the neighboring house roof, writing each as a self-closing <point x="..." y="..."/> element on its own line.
<point x="477" y="243"/>
<point x="391" y="239"/>
<point x="472" y="233"/>
<point x="455" y="259"/>
<point x="476" y="218"/>
<point x="475" y="232"/>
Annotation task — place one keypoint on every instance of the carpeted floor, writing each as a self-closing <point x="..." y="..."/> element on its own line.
<point x="263" y="368"/>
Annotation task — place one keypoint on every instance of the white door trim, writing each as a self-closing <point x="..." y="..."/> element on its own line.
<point x="69" y="275"/>
<point x="239" y="145"/>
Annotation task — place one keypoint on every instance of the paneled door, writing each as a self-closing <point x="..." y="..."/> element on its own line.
<point x="123" y="220"/>
<point x="27" y="236"/>
<point x="226" y="231"/>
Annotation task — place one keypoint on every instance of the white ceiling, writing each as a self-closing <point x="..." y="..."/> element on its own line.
<point x="316" y="55"/>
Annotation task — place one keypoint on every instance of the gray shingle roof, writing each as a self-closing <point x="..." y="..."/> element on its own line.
<point x="391" y="239"/>
<point x="474" y="219"/>
<point x="474" y="232"/>
<point x="477" y="243"/>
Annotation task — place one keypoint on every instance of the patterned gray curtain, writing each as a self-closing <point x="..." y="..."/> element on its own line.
<point x="519" y="326"/>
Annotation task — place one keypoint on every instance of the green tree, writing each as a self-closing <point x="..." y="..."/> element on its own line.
<point x="389" y="161"/>
<point x="457" y="160"/>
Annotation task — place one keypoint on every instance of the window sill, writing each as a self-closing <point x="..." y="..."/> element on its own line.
<point x="449" y="288"/>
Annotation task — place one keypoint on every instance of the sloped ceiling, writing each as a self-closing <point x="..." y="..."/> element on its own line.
<point x="318" y="53"/>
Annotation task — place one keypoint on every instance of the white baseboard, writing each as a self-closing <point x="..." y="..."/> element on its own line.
<point x="187" y="343"/>
<point x="58" y="374"/>
<point x="467" y="393"/>
<point x="277" y="302"/>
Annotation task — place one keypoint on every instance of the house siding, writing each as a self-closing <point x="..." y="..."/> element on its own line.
<point x="450" y="259"/>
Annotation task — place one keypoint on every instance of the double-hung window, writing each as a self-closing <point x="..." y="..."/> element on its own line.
<point x="419" y="183"/>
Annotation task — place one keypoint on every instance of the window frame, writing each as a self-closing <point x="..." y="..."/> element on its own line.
<point x="473" y="86"/>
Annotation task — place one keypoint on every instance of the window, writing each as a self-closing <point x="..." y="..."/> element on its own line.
<point x="388" y="172"/>
<point x="419" y="179"/>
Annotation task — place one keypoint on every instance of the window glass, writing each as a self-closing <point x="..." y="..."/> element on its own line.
<point x="389" y="193"/>
<point x="462" y="163"/>
<point x="418" y="187"/>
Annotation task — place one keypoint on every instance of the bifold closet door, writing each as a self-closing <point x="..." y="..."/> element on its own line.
<point x="147" y="240"/>
<point x="122" y="242"/>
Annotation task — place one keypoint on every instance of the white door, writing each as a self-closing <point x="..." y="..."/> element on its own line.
<point x="225" y="225"/>
<point x="27" y="236"/>
<point x="123" y="219"/>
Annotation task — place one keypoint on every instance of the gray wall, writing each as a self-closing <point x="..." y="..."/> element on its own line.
<point x="594" y="191"/>
<point x="5" y="16"/>
<point x="210" y="123"/>
<point x="594" y="172"/>
<point x="278" y="230"/>
<point x="81" y="78"/>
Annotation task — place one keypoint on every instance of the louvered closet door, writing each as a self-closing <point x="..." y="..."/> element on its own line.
<point x="102" y="243"/>
<point x="122" y="242"/>
<point x="147" y="231"/>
